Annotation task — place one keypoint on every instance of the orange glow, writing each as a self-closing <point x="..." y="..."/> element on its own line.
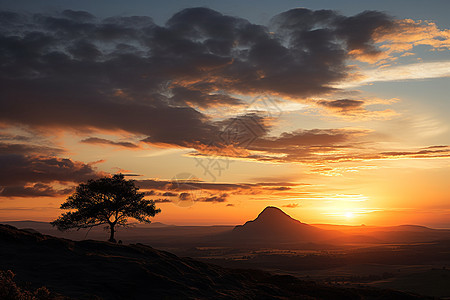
<point x="350" y="133"/>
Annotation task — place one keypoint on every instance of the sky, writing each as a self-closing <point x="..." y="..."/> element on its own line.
<point x="334" y="111"/>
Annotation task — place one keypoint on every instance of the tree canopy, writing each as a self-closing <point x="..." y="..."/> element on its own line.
<point x="105" y="201"/>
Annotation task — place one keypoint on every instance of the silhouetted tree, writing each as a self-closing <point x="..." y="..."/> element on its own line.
<point x="108" y="200"/>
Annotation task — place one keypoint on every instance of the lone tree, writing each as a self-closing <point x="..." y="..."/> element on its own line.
<point x="108" y="200"/>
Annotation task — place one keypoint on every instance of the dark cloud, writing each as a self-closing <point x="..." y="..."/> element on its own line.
<point x="428" y="152"/>
<point x="215" y="198"/>
<point x="153" y="184"/>
<point x="280" y="188"/>
<point x="169" y="194"/>
<point x="150" y="193"/>
<point x="276" y="180"/>
<point x="161" y="200"/>
<point x="81" y="16"/>
<point x="193" y="185"/>
<point x="355" y="33"/>
<point x="16" y="148"/>
<point x="313" y="137"/>
<point x="342" y="105"/>
<point x="72" y="70"/>
<point x="354" y="109"/>
<point x="433" y="151"/>
<point x="374" y="155"/>
<point x="358" y="30"/>
<point x="100" y="141"/>
<point x="27" y="174"/>
<point x="314" y="146"/>
<point x="198" y="97"/>
<point x="211" y="191"/>
<point x="302" y="145"/>
<point x="7" y="137"/>
<point x="22" y="169"/>
<point x="184" y="196"/>
<point x="36" y="190"/>
<point x="277" y="184"/>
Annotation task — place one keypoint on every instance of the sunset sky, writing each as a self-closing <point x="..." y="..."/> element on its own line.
<point x="334" y="111"/>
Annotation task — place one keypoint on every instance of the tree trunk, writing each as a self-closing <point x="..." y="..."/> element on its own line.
<point x="111" y="237"/>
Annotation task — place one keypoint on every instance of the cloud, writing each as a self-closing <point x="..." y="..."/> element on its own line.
<point x="100" y="141"/>
<point x="35" y="190"/>
<point x="329" y="165"/>
<point x="161" y="200"/>
<point x="342" y="105"/>
<point x="313" y="146"/>
<point x="73" y="71"/>
<point x="326" y="146"/>
<point x="408" y="33"/>
<point x="26" y="174"/>
<point x="276" y="180"/>
<point x="280" y="188"/>
<point x="196" y="96"/>
<point x="312" y="137"/>
<point x="303" y="145"/>
<point x="23" y="169"/>
<point x="355" y="110"/>
<point x="127" y="73"/>
<point x="16" y="148"/>
<point x="150" y="193"/>
<point x="188" y="185"/>
<point x="8" y="137"/>
<point x="215" y="198"/>
<point x="428" y="152"/>
<point x="169" y="194"/>
<point x="422" y="70"/>
<point x="215" y="192"/>
<point x="184" y="196"/>
<point x="291" y="205"/>
<point x="399" y="36"/>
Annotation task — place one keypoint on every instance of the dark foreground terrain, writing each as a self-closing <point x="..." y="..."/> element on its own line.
<point x="92" y="269"/>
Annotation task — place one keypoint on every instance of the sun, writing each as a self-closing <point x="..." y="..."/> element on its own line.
<point x="349" y="215"/>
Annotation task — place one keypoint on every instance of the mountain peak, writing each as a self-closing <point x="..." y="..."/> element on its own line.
<point x="273" y="226"/>
<point x="272" y="209"/>
<point x="273" y="213"/>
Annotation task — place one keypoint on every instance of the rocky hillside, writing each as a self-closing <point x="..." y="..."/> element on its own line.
<point x="90" y="269"/>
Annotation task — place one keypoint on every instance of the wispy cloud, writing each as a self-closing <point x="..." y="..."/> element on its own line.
<point x="423" y="70"/>
<point x="101" y="141"/>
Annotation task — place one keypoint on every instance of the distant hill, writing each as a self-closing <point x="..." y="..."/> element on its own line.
<point x="273" y="226"/>
<point x="89" y="269"/>
<point x="390" y="234"/>
<point x="156" y="233"/>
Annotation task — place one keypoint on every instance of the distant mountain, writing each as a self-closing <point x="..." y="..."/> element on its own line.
<point x="389" y="234"/>
<point x="273" y="226"/>
<point x="150" y="225"/>
<point x="158" y="234"/>
<point x="92" y="269"/>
